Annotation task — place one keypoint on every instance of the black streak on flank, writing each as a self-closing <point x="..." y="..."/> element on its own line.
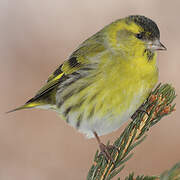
<point x="73" y="62"/>
<point x="93" y="97"/>
<point x="67" y="96"/>
<point x="79" y="121"/>
<point x="78" y="105"/>
<point x="73" y="108"/>
<point x="91" y="113"/>
<point x="66" y="112"/>
<point x="82" y="87"/>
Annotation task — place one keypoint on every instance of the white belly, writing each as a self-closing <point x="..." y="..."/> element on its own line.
<point x="106" y="124"/>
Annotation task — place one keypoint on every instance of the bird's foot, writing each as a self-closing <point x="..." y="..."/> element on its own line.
<point x="141" y="109"/>
<point x="105" y="151"/>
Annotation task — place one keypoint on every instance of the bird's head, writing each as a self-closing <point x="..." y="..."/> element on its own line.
<point x="134" y="35"/>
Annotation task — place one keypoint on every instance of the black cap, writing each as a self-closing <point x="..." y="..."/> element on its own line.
<point x="147" y="24"/>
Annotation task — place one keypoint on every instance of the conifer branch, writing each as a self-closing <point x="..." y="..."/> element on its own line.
<point x="172" y="174"/>
<point x="157" y="105"/>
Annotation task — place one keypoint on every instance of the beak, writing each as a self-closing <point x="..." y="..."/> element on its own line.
<point x="157" y="45"/>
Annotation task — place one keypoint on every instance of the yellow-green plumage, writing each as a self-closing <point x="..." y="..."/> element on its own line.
<point x="106" y="79"/>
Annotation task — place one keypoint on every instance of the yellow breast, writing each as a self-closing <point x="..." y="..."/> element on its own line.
<point x="122" y="85"/>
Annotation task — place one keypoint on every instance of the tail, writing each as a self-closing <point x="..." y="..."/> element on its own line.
<point x="25" y="106"/>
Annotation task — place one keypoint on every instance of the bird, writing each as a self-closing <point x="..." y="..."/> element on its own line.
<point x="106" y="79"/>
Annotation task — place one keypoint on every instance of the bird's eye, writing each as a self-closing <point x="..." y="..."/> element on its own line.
<point x="139" y="36"/>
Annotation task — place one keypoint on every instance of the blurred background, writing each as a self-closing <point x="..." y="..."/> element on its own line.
<point x="35" y="37"/>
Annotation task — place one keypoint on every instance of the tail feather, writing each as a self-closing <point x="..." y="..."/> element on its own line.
<point x="25" y="106"/>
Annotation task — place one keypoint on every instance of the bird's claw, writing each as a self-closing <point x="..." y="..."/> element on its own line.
<point x="141" y="109"/>
<point x="105" y="151"/>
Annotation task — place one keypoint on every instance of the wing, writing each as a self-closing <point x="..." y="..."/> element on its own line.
<point x="78" y="60"/>
<point x="83" y="58"/>
<point x="46" y="95"/>
<point x="57" y="77"/>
